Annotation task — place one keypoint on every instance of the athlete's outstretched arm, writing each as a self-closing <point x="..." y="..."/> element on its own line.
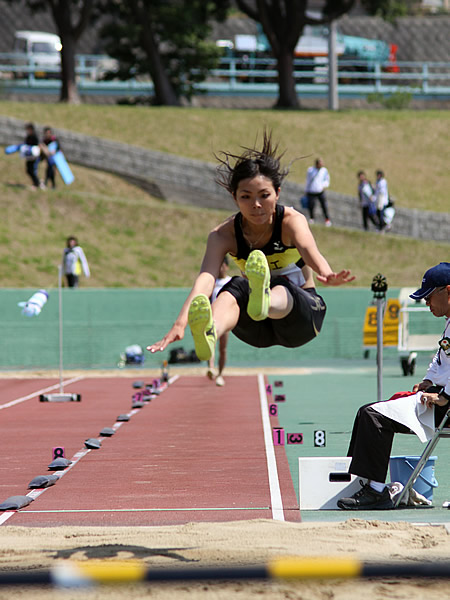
<point x="297" y="229"/>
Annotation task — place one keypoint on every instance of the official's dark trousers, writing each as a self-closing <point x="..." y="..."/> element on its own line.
<point x="371" y="441"/>
<point x="323" y="203"/>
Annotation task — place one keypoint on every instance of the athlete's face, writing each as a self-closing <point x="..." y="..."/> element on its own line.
<point x="257" y="199"/>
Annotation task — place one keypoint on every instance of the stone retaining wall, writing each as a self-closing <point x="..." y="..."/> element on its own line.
<point x="181" y="180"/>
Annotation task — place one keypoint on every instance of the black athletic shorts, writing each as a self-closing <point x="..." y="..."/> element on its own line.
<point x="300" y="326"/>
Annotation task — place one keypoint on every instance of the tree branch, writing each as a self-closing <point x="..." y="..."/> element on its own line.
<point x="248" y="10"/>
<point x="86" y="11"/>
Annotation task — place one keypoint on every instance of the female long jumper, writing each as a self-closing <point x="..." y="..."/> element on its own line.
<point x="274" y="301"/>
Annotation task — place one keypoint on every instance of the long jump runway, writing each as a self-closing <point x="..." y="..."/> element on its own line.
<point x="196" y="452"/>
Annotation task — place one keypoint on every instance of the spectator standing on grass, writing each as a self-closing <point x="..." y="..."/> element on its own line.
<point x="317" y="181"/>
<point x="31" y="158"/>
<point x="365" y="194"/>
<point x="223" y="340"/>
<point x="74" y="262"/>
<point x="381" y="198"/>
<point x="47" y="139"/>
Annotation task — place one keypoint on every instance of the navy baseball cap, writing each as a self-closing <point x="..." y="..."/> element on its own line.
<point x="438" y="276"/>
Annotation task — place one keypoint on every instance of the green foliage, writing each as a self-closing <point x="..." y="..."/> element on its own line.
<point x="395" y="101"/>
<point x="166" y="40"/>
<point x="387" y="9"/>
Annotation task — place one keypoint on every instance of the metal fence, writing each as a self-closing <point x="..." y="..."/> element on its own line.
<point x="243" y="76"/>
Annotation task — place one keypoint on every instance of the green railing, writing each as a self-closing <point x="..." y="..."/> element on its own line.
<point x="239" y="76"/>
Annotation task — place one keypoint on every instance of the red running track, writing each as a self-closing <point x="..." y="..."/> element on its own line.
<point x="196" y="452"/>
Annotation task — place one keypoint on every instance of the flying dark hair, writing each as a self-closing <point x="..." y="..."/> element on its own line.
<point x="249" y="164"/>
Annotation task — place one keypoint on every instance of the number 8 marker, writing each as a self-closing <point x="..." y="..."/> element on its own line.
<point x="319" y="438"/>
<point x="58" y="452"/>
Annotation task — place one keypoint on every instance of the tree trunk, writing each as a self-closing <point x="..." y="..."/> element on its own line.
<point x="164" y="93"/>
<point x="69" y="91"/>
<point x="62" y="16"/>
<point x="287" y="96"/>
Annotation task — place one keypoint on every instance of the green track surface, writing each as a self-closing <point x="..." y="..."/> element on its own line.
<point x="327" y="398"/>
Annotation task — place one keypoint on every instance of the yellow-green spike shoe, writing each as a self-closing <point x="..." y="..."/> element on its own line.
<point x="202" y="326"/>
<point x="258" y="274"/>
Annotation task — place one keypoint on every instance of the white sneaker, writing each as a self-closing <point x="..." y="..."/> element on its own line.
<point x="220" y="381"/>
<point x="328" y="223"/>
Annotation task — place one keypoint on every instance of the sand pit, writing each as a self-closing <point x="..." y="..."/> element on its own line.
<point x="234" y="543"/>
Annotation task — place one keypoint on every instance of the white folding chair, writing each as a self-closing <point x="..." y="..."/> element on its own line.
<point x="439" y="433"/>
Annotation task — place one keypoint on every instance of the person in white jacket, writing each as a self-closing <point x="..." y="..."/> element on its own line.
<point x="74" y="262"/>
<point x="381" y="198"/>
<point x="317" y="181"/>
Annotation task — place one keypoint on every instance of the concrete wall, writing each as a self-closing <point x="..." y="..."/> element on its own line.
<point x="181" y="180"/>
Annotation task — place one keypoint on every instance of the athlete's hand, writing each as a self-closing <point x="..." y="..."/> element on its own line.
<point x="175" y="334"/>
<point x="340" y="278"/>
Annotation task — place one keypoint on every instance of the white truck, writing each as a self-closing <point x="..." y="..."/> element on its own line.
<point x="39" y="51"/>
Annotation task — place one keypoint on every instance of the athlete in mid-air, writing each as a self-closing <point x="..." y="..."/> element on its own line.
<point x="274" y="301"/>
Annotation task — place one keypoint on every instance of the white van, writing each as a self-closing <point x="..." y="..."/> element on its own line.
<point x="39" y="50"/>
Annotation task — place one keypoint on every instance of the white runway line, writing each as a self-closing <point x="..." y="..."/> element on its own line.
<point x="38" y="492"/>
<point x="189" y="509"/>
<point x="274" y="483"/>
<point x="5" y="516"/>
<point x="77" y="456"/>
<point x="39" y="392"/>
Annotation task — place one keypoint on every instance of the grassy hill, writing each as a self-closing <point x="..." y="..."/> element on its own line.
<point x="134" y="240"/>
<point x="410" y="146"/>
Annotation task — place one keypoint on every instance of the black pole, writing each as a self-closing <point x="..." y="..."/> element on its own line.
<point x="379" y="289"/>
<point x="208" y="573"/>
